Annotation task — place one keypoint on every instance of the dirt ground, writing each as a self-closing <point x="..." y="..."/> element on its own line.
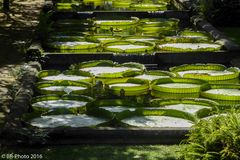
<point x="16" y="32"/>
<point x="17" y="28"/>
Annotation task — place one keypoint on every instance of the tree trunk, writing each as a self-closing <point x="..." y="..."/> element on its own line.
<point x="6" y="5"/>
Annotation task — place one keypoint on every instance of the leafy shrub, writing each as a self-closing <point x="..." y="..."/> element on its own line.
<point x="215" y="139"/>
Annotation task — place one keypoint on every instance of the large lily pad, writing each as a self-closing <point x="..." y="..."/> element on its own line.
<point x="195" y="106"/>
<point x="129" y="47"/>
<point x="208" y="72"/>
<point x="190" y="47"/>
<point x="70" y="75"/>
<point x="127" y="87"/>
<point x="179" y="85"/>
<point x="73" y="103"/>
<point x="63" y="87"/>
<point x="109" y="69"/>
<point x="161" y="118"/>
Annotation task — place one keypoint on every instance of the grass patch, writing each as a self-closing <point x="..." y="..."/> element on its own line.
<point x="232" y="32"/>
<point x="102" y="152"/>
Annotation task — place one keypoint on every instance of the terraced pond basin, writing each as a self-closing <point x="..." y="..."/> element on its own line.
<point x="106" y="5"/>
<point x="127" y="35"/>
<point x="125" y="97"/>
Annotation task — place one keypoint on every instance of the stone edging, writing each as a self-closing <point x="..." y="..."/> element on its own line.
<point x="219" y="36"/>
<point x="22" y="101"/>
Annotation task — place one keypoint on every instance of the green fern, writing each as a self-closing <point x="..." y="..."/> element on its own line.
<point x="215" y="139"/>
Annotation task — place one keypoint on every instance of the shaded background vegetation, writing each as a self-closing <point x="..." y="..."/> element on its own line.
<point x="219" y="12"/>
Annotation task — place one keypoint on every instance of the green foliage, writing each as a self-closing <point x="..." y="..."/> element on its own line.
<point x="45" y="26"/>
<point x="215" y="139"/>
<point x="218" y="11"/>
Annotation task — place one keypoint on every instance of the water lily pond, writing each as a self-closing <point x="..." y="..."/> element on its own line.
<point x="127" y="35"/>
<point x="105" y="93"/>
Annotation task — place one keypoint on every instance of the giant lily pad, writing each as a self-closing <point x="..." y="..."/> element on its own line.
<point x="223" y="92"/>
<point x="148" y="6"/>
<point x="159" y="22"/>
<point x="129" y="47"/>
<point x="195" y="106"/>
<point x="127" y="87"/>
<point x="66" y="120"/>
<point x="72" y="45"/>
<point x="108" y="69"/>
<point x="123" y="22"/>
<point x="63" y="87"/>
<point x="155" y="74"/>
<point x="56" y="103"/>
<point x="161" y="118"/>
<point x="179" y="85"/>
<point x="190" y="47"/>
<point x="114" y="106"/>
<point x="55" y="75"/>
<point x="102" y="38"/>
<point x="208" y="72"/>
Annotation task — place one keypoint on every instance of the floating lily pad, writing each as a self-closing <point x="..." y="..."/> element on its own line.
<point x="102" y="38"/>
<point x="127" y="87"/>
<point x="153" y="75"/>
<point x="179" y="85"/>
<point x="66" y="120"/>
<point x="185" y="39"/>
<point x="190" y="47"/>
<point x="93" y="3"/>
<point x="74" y="45"/>
<point x="123" y="22"/>
<point x="63" y="87"/>
<point x="72" y="103"/>
<point x="189" y="33"/>
<point x="208" y="72"/>
<point x="161" y="118"/>
<point x="55" y="75"/>
<point x="121" y="4"/>
<point x="148" y="6"/>
<point x="159" y="22"/>
<point x="142" y="38"/>
<point x="108" y="69"/>
<point x="129" y="47"/>
<point x="158" y="31"/>
<point x="199" y="107"/>
<point x="114" y="106"/>
<point x="166" y="95"/>
<point x="158" y="122"/>
<point x="66" y="6"/>
<point x="227" y="94"/>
